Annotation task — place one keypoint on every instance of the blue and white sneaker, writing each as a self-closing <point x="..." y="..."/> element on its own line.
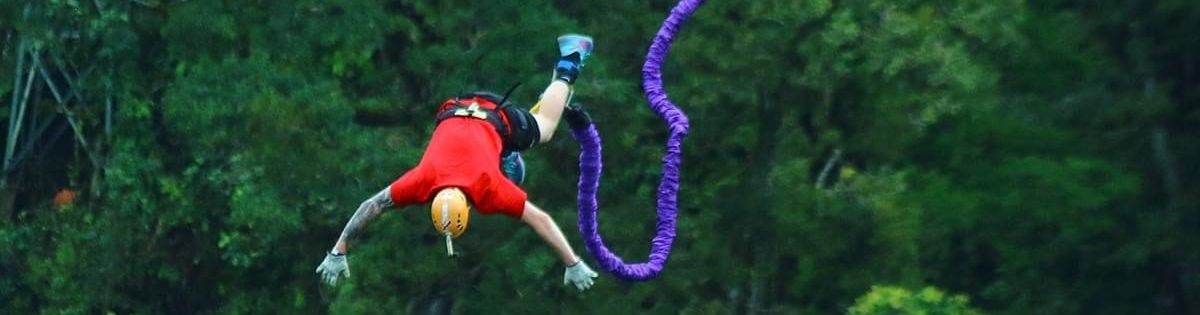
<point x="573" y="51"/>
<point x="575" y="43"/>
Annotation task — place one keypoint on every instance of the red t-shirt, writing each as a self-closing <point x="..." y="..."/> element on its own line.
<point x="464" y="152"/>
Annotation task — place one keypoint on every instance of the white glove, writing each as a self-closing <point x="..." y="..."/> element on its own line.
<point x="579" y="275"/>
<point x="332" y="267"/>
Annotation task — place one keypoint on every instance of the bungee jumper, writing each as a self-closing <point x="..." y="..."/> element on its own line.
<point x="472" y="163"/>
<point x="474" y="129"/>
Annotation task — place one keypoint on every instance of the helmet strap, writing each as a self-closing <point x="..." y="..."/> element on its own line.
<point x="450" y="245"/>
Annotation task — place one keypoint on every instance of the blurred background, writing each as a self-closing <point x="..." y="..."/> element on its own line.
<point x="864" y="157"/>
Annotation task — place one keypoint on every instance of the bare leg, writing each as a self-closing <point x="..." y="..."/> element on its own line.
<point x="548" y="110"/>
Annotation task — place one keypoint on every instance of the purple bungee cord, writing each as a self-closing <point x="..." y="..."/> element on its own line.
<point x="668" y="188"/>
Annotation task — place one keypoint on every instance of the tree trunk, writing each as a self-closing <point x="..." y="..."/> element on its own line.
<point x="829" y="164"/>
<point x="758" y="284"/>
<point x="8" y="197"/>
<point x="16" y="109"/>
<point x="1166" y="164"/>
<point x="762" y="238"/>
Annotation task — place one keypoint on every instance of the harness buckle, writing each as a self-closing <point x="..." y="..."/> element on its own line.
<point x="472" y="110"/>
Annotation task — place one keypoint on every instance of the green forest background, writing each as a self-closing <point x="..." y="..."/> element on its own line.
<point x="863" y="157"/>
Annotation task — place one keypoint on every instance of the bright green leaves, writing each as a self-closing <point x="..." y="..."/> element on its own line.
<point x="260" y="217"/>
<point x="239" y="250"/>
<point x="920" y="67"/>
<point x="1034" y="155"/>
<point x="888" y="300"/>
<point x="1056" y="185"/>
<point x="248" y="125"/>
<point x="200" y="29"/>
<point x="1021" y="201"/>
<point x="831" y="52"/>
<point x="339" y="37"/>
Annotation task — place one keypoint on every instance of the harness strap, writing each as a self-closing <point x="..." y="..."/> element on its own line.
<point x="474" y="110"/>
<point x="517" y="128"/>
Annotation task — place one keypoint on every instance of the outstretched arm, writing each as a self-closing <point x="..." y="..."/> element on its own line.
<point x="545" y="227"/>
<point x="577" y="272"/>
<point x="335" y="266"/>
<point x="368" y="210"/>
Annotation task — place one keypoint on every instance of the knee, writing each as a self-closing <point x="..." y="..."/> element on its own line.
<point x="545" y="128"/>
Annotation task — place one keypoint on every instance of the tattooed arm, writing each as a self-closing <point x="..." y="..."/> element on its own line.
<point x="368" y="210"/>
<point x="335" y="266"/>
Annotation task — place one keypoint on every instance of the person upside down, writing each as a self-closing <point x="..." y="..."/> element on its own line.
<point x="461" y="166"/>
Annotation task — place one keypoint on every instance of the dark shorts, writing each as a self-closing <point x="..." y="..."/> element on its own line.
<point x="523" y="129"/>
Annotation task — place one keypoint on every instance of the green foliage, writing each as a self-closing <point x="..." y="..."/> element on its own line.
<point x="339" y="35"/>
<point x="895" y="300"/>
<point x="1037" y="157"/>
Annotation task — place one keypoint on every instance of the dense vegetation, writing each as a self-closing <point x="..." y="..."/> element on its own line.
<point x="863" y="157"/>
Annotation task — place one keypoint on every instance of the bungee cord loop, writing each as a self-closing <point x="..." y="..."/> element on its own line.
<point x="668" y="188"/>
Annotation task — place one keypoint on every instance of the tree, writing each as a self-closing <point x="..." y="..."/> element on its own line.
<point x="895" y="300"/>
<point x="1035" y="156"/>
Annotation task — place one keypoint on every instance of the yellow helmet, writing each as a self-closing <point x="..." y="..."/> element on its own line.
<point x="450" y="211"/>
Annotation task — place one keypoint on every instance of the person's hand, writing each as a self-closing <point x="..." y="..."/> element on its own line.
<point x="579" y="275"/>
<point x="334" y="266"/>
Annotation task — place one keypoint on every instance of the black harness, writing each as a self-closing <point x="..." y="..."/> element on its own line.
<point x="471" y="108"/>
<point x="520" y="132"/>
